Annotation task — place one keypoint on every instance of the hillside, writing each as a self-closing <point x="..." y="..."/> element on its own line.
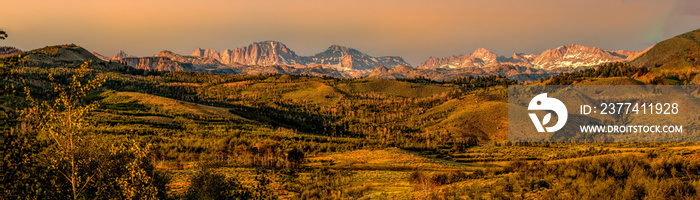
<point x="271" y="98"/>
<point x="679" y="53"/>
<point x="61" y="53"/>
<point x="129" y="100"/>
<point x="414" y="108"/>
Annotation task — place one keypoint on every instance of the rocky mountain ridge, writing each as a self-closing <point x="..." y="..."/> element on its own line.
<point x="343" y="62"/>
<point x="119" y="55"/>
<point x="567" y="56"/>
<point x="269" y="53"/>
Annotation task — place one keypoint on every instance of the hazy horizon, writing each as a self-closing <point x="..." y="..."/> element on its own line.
<point x="414" y="29"/>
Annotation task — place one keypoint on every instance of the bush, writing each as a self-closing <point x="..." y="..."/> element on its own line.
<point x="535" y="185"/>
<point x="207" y="185"/>
<point x="448" y="178"/>
<point x="417" y="177"/>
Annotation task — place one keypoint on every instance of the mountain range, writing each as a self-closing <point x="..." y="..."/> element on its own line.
<point x="571" y="55"/>
<point x="343" y="62"/>
<point x="268" y="53"/>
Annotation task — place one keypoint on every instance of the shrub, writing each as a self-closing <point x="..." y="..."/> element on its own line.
<point x="207" y="185"/>
<point x="448" y="178"/>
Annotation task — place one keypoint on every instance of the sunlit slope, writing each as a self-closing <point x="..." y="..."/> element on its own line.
<point x="679" y="53"/>
<point x="611" y="81"/>
<point x="61" y="53"/>
<point x="394" y="88"/>
<point x="146" y="102"/>
<point x="301" y="91"/>
<point x="480" y="113"/>
<point x="675" y="60"/>
<point x="316" y="91"/>
<point x="482" y="116"/>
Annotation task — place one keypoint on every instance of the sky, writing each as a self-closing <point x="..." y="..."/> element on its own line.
<point x="412" y="29"/>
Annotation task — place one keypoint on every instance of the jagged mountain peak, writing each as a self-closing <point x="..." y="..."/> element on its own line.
<point x="199" y="52"/>
<point x="272" y="45"/>
<point x="575" y="55"/>
<point x="482" y="51"/>
<point x="485" y="56"/>
<point x="270" y="42"/>
<point x="270" y="53"/>
<point x="338" y="48"/>
<point x="264" y="53"/>
<point x="571" y="55"/>
<point x="166" y="52"/>
<point x="121" y="54"/>
<point x="344" y="59"/>
<point x="342" y="50"/>
<point x="571" y="46"/>
<point x="209" y="53"/>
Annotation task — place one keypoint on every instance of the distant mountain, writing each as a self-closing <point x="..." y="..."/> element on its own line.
<point x="156" y="64"/>
<point x="197" y="61"/>
<point x="266" y="53"/>
<point x="342" y="62"/>
<point x="121" y="54"/>
<point x="479" y="58"/>
<point x="269" y="53"/>
<point x="681" y="52"/>
<point x="9" y="51"/>
<point x="271" y="57"/>
<point x="210" y="54"/>
<point x="571" y="56"/>
<point x="346" y="59"/>
<point x="574" y="55"/>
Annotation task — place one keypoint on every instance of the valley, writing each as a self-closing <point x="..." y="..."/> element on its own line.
<point x="196" y="126"/>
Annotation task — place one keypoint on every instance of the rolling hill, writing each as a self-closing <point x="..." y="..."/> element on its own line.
<point x="677" y="54"/>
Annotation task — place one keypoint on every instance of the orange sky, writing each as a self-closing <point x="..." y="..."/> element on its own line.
<point x="413" y="29"/>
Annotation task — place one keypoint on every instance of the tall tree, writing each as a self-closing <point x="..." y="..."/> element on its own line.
<point x="63" y="122"/>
